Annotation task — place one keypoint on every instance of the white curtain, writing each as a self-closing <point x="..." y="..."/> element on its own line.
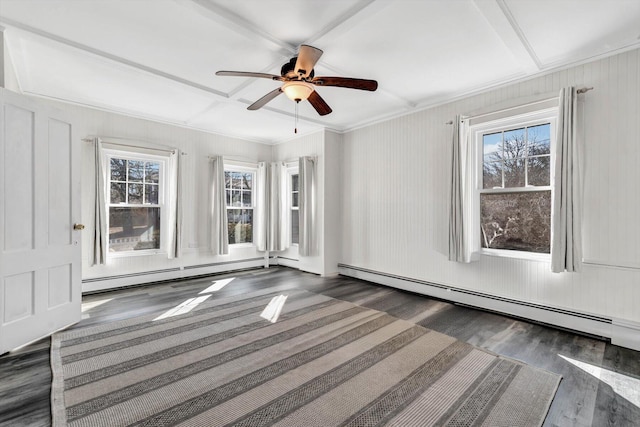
<point x="461" y="242"/>
<point x="218" y="211"/>
<point x="456" y="229"/>
<point x="307" y="206"/>
<point x="261" y="207"/>
<point x="278" y="236"/>
<point x="270" y="212"/>
<point x="174" y="229"/>
<point x="100" y="209"/>
<point x="566" y="245"/>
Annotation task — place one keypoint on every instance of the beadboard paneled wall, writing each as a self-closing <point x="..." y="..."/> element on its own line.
<point x="198" y="146"/>
<point x="396" y="182"/>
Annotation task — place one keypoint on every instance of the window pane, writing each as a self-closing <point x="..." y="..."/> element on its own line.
<point x="492" y="147"/>
<point x="515" y="144"/>
<point x="294" y="199"/>
<point x="247" y="181"/>
<point x="118" y="193"/>
<point x="151" y="194"/>
<point x="228" y="197"/>
<point x="136" y="170"/>
<point x="294" y="183"/>
<point x="514" y="173"/>
<point x="492" y="175"/>
<point x="236" y="198"/>
<point x="135" y="193"/>
<point x="240" y="225"/>
<point x="516" y="221"/>
<point x="539" y="139"/>
<point x="151" y="172"/>
<point x="227" y="179"/>
<point x="134" y="229"/>
<point x="118" y="169"/>
<point x="539" y="172"/>
<point x="295" y="226"/>
<point x="236" y="180"/>
<point x="246" y="198"/>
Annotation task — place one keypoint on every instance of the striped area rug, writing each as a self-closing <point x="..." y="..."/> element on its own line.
<point x="324" y="362"/>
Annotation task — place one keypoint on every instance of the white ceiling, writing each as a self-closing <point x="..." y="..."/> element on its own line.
<point x="157" y="58"/>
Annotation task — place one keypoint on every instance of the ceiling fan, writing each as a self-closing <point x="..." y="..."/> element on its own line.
<point x="300" y="81"/>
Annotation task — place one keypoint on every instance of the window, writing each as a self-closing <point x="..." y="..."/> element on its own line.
<point x="514" y="183"/>
<point x="295" y="216"/>
<point x="239" y="186"/>
<point x="135" y="202"/>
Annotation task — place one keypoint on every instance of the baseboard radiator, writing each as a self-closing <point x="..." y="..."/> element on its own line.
<point x="621" y="332"/>
<point x="99" y="284"/>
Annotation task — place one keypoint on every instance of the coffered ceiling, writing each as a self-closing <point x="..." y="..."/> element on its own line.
<point x="157" y="59"/>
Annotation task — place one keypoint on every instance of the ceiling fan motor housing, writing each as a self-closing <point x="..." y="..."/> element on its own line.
<point x="288" y="70"/>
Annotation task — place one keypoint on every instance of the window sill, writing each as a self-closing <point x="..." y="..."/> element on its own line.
<point x="240" y="245"/>
<point x="130" y="254"/>
<point x="529" y="256"/>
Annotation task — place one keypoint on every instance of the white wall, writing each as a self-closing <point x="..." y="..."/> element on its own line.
<point x="332" y="201"/>
<point x="308" y="145"/>
<point x="395" y="197"/>
<point x="198" y="146"/>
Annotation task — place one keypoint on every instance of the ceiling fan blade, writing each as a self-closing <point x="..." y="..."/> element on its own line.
<point x="248" y="74"/>
<point x="265" y="99"/>
<point x="307" y="58"/>
<point x="319" y="104"/>
<point x="347" y="82"/>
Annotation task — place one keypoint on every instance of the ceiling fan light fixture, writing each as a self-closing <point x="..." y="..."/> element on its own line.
<point x="297" y="90"/>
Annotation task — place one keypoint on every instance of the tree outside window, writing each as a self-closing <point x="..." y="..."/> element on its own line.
<point x="515" y="194"/>
<point x="239" y="196"/>
<point x="134" y="208"/>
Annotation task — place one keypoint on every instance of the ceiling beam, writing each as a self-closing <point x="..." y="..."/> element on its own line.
<point x="238" y="24"/>
<point x="500" y="18"/>
<point x="106" y="55"/>
<point x="354" y="13"/>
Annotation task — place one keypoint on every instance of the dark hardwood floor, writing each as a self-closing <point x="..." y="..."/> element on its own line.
<point x="600" y="386"/>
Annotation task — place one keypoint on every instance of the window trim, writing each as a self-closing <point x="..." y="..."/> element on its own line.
<point x="163" y="197"/>
<point x="528" y="116"/>
<point x="291" y="171"/>
<point x="243" y="168"/>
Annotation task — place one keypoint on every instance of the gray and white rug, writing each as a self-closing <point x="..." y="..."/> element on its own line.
<point x="324" y="362"/>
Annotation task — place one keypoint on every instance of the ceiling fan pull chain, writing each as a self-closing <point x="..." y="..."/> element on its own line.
<point x="295" y="130"/>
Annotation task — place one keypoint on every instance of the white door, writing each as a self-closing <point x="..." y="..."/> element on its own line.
<point x="40" y="280"/>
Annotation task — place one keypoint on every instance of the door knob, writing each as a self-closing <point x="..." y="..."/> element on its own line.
<point x="78" y="226"/>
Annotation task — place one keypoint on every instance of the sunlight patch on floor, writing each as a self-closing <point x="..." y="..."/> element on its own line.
<point x="623" y="385"/>
<point x="86" y="306"/>
<point x="183" y="308"/>
<point x="216" y="285"/>
<point x="272" y="311"/>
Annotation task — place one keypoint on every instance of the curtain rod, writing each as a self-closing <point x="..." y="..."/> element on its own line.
<point x="579" y="91"/>
<point x="165" y="150"/>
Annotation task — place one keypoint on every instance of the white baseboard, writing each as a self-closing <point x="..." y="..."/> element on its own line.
<point x="124" y="280"/>
<point x="621" y="332"/>
<point x="626" y="333"/>
<point x="288" y="262"/>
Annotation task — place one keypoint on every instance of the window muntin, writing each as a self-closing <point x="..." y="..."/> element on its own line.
<point x="514" y="191"/>
<point x="135" y="203"/>
<point x="295" y="214"/>
<point x="239" y="185"/>
<point x="517" y="157"/>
